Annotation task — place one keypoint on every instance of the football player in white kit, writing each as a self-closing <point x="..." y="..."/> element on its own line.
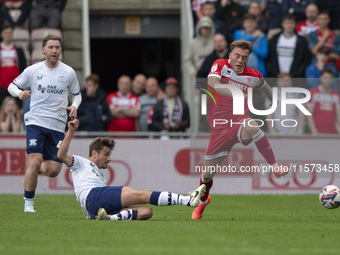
<point x="48" y="83"/>
<point x="103" y="202"/>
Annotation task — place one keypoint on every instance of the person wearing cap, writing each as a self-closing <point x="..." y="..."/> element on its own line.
<point x="170" y="114"/>
<point x="201" y="46"/>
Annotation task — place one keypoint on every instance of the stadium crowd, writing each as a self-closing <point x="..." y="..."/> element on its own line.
<point x="291" y="39"/>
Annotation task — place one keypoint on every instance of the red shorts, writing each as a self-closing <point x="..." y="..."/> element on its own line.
<point x="221" y="141"/>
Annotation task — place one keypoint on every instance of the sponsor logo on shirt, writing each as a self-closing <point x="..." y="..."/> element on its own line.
<point x="50" y="89"/>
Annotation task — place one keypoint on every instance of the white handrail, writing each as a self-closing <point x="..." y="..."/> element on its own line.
<point x="86" y="52"/>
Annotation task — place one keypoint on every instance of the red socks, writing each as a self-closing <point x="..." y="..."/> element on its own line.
<point x="263" y="146"/>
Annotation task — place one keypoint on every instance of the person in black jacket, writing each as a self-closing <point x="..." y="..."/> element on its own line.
<point x="231" y="13"/>
<point x="170" y="114"/>
<point x="288" y="51"/>
<point x="93" y="113"/>
<point x="220" y="51"/>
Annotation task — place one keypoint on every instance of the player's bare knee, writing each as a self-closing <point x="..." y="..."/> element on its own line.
<point x="53" y="172"/>
<point x="145" y="213"/>
<point x="35" y="165"/>
<point x="250" y="131"/>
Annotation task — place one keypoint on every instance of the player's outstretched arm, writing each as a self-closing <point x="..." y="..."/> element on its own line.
<point x="62" y="152"/>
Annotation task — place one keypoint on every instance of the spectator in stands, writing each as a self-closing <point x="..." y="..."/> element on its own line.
<point x="197" y="7"/>
<point x="201" y="46"/>
<point x="324" y="36"/>
<point x="324" y="106"/>
<point x="310" y="24"/>
<point x="314" y="70"/>
<point x="292" y="112"/>
<point x="124" y="107"/>
<point x="138" y="84"/>
<point x="297" y="8"/>
<point x="47" y="12"/>
<point x="10" y="118"/>
<point x="12" y="60"/>
<point x="22" y="6"/>
<point x="220" y="51"/>
<point x="288" y="51"/>
<point x="275" y="13"/>
<point x="209" y="10"/>
<point x="147" y="100"/>
<point x="333" y="7"/>
<point x="231" y="13"/>
<point x="259" y="41"/>
<point x="246" y="4"/>
<point x="94" y="112"/>
<point x="171" y="114"/>
<point x="256" y="10"/>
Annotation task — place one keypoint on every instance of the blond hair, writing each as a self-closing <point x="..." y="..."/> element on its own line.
<point x="243" y="44"/>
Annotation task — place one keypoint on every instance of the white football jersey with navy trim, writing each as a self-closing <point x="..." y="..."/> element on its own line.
<point x="50" y="87"/>
<point x="86" y="176"/>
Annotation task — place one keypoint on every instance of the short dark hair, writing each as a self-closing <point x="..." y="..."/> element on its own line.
<point x="99" y="143"/>
<point x="6" y="26"/>
<point x="324" y="12"/>
<point x="288" y="16"/>
<point x="249" y="16"/>
<point x="93" y="77"/>
<point x="327" y="70"/>
<point x="52" y="37"/>
<point x="323" y="50"/>
<point x="209" y="2"/>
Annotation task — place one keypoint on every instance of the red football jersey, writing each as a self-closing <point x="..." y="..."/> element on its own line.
<point x="9" y="69"/>
<point x="325" y="105"/>
<point x="304" y="27"/>
<point x="249" y="78"/>
<point x="116" y="99"/>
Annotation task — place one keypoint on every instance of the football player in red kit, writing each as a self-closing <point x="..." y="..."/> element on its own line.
<point x="233" y="71"/>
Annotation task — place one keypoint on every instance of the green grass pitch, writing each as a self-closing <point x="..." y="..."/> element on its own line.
<point x="251" y="224"/>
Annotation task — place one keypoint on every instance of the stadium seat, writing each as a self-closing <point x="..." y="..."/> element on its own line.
<point x="21" y="37"/>
<point x="37" y="56"/>
<point x="38" y="35"/>
<point x="272" y="32"/>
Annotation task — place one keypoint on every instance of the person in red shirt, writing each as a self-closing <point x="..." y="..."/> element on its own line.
<point x="310" y="24"/>
<point x="124" y="107"/>
<point x="12" y="60"/>
<point x="325" y="37"/>
<point x="244" y="130"/>
<point x="324" y="106"/>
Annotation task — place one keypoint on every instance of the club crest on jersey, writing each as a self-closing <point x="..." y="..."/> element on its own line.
<point x="61" y="79"/>
<point x="41" y="88"/>
<point x="32" y="142"/>
<point x="214" y="68"/>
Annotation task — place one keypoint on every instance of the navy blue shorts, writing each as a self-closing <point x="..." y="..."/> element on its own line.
<point x="108" y="198"/>
<point x="44" y="141"/>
